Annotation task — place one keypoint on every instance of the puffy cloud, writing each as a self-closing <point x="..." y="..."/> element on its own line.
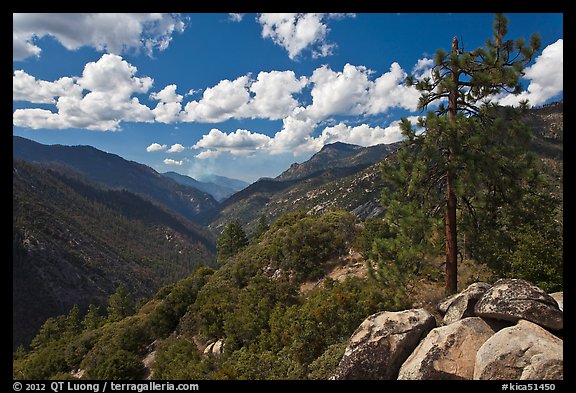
<point x="104" y="96"/>
<point x="176" y="148"/>
<point x="546" y="77"/>
<point x="351" y="92"/>
<point x="111" y="32"/>
<point x="22" y="48"/>
<point x="343" y="92"/>
<point x="362" y="135"/>
<point x="169" y="161"/>
<point x="25" y="87"/>
<point x="423" y="68"/>
<point x="240" y="142"/>
<point x="114" y="76"/>
<point x="110" y="83"/>
<point x="269" y="96"/>
<point x="155" y="147"/>
<point x="169" y="108"/>
<point x="389" y="91"/>
<point x="219" y="103"/>
<point x="273" y="94"/>
<point x="296" y="32"/>
<point x="208" y="154"/>
<point x="295" y="135"/>
<point x="167" y="95"/>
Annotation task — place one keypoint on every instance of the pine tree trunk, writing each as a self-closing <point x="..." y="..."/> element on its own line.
<point x="451" y="235"/>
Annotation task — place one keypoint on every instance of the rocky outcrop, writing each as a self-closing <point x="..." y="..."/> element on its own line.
<point x="448" y="352"/>
<point x="382" y="343"/>
<point x="214" y="348"/>
<point x="559" y="297"/>
<point x="523" y="351"/>
<point x="514" y="299"/>
<point x="461" y="305"/>
<point x="490" y="332"/>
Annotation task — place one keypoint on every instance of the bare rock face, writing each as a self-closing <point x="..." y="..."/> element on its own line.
<point x="524" y="351"/>
<point x="214" y="348"/>
<point x="382" y="343"/>
<point x="514" y="299"/>
<point x="461" y="305"/>
<point x="448" y="352"/>
<point x="559" y="297"/>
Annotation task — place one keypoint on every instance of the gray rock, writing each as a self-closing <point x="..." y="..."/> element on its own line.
<point x="382" y="343"/>
<point x="218" y="347"/>
<point x="524" y="351"/>
<point x="214" y="348"/>
<point x="514" y="299"/>
<point x="208" y="349"/>
<point x="462" y="304"/>
<point x="559" y="297"/>
<point x="447" y="352"/>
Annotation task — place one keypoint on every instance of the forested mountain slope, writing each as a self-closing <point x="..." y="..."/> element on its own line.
<point x="74" y="243"/>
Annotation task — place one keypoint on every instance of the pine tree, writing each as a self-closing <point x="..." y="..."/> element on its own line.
<point x="262" y="227"/>
<point x="120" y="304"/>
<point x="232" y="240"/>
<point x="457" y="138"/>
<point x="93" y="319"/>
<point x="73" y="321"/>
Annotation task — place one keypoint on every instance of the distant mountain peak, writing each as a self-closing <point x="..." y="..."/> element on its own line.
<point x="340" y="146"/>
<point x="337" y="155"/>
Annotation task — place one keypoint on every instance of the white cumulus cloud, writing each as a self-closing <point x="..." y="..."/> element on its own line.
<point x="170" y="161"/>
<point x="110" y="83"/>
<point x="219" y="103"/>
<point x="362" y="135"/>
<point x="388" y="91"/>
<point x="269" y="96"/>
<point x="25" y="87"/>
<point x="176" y="148"/>
<point x="274" y="94"/>
<point x="352" y="92"/>
<point x="156" y="147"/>
<point x="241" y="142"/>
<point x="344" y="92"/>
<point x="296" y="32"/>
<point x="169" y="108"/>
<point x="110" y="32"/>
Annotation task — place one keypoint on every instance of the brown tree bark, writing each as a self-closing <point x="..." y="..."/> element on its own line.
<point x="451" y="279"/>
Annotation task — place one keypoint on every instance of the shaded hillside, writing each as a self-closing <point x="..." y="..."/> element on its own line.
<point x="74" y="243"/>
<point x="115" y="172"/>
<point x="547" y="124"/>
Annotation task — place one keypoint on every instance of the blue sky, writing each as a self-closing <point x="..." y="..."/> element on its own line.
<point x="241" y="95"/>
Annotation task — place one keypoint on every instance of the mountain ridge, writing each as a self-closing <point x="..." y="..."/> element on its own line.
<point x="337" y="155"/>
<point x="115" y="172"/>
<point x="220" y="191"/>
<point x="290" y="190"/>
